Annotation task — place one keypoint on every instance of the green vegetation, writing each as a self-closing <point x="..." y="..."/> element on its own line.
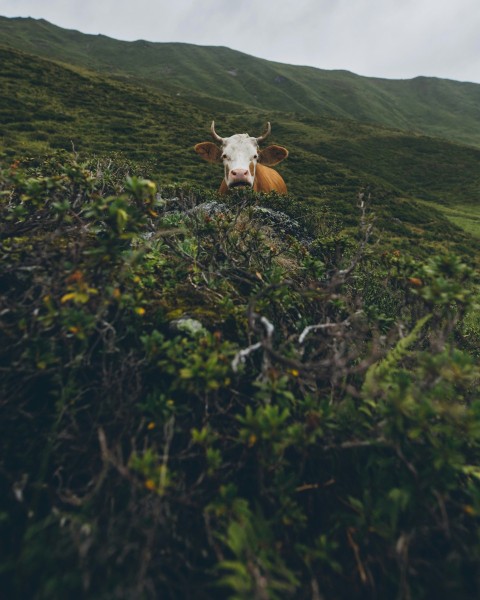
<point x="467" y="217"/>
<point x="249" y="396"/>
<point x="196" y="404"/>
<point x="47" y="106"/>
<point x="432" y="106"/>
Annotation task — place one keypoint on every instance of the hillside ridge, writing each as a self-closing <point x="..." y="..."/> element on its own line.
<point x="48" y="106"/>
<point x="433" y="106"/>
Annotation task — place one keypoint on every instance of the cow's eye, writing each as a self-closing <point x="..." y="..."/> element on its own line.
<point x="224" y="156"/>
<point x="255" y="156"/>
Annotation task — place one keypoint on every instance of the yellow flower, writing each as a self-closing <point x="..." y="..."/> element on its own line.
<point x="151" y="426"/>
<point x="152" y="188"/>
<point x="140" y="310"/>
<point x="67" y="297"/>
<point x="150" y="485"/>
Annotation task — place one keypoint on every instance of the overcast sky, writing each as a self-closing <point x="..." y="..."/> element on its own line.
<point x="396" y="39"/>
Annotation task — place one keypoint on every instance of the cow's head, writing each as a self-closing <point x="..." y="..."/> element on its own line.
<point x="240" y="155"/>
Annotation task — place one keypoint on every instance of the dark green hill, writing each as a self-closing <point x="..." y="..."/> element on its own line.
<point x="47" y="106"/>
<point x="433" y="106"/>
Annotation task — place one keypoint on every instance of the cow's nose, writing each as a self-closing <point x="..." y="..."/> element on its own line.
<point x="239" y="173"/>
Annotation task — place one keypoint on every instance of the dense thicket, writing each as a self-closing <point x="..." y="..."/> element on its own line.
<point x="211" y="398"/>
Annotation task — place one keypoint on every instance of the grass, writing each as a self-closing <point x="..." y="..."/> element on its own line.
<point x="466" y="217"/>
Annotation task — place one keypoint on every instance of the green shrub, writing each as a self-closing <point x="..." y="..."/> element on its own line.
<point x="197" y="405"/>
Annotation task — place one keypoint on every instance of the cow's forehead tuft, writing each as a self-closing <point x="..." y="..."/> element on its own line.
<point x="240" y="139"/>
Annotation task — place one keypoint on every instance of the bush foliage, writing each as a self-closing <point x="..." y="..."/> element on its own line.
<point x="198" y="404"/>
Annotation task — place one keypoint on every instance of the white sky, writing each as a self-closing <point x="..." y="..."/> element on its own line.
<point x="396" y="39"/>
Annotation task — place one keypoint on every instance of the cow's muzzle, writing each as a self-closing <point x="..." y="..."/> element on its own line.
<point x="243" y="184"/>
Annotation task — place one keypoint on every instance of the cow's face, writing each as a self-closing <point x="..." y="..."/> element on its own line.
<point x="240" y="155"/>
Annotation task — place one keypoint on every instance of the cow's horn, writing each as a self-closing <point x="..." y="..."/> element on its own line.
<point x="214" y="133"/>
<point x="265" y="134"/>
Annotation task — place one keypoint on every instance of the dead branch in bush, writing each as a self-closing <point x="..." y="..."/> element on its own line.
<point x="320" y="326"/>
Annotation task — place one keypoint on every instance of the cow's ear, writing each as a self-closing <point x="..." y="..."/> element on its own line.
<point x="209" y="151"/>
<point x="272" y="155"/>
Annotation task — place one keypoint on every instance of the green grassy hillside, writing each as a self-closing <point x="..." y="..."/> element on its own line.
<point x="433" y="106"/>
<point x="46" y="107"/>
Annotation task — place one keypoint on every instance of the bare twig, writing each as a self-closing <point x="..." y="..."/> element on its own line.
<point x="307" y="330"/>
<point x="242" y="355"/>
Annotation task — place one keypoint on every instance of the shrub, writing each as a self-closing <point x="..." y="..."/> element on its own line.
<point x="196" y="404"/>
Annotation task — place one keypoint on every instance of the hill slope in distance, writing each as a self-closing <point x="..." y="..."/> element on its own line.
<point x="432" y="106"/>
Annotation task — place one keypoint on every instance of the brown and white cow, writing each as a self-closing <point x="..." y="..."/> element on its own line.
<point x="244" y="163"/>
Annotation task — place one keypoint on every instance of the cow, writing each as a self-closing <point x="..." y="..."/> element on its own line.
<point x="244" y="163"/>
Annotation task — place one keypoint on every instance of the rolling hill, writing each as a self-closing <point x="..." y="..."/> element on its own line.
<point x="431" y="106"/>
<point x="49" y="105"/>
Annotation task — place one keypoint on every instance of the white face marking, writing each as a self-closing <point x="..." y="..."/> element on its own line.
<point x="239" y="152"/>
